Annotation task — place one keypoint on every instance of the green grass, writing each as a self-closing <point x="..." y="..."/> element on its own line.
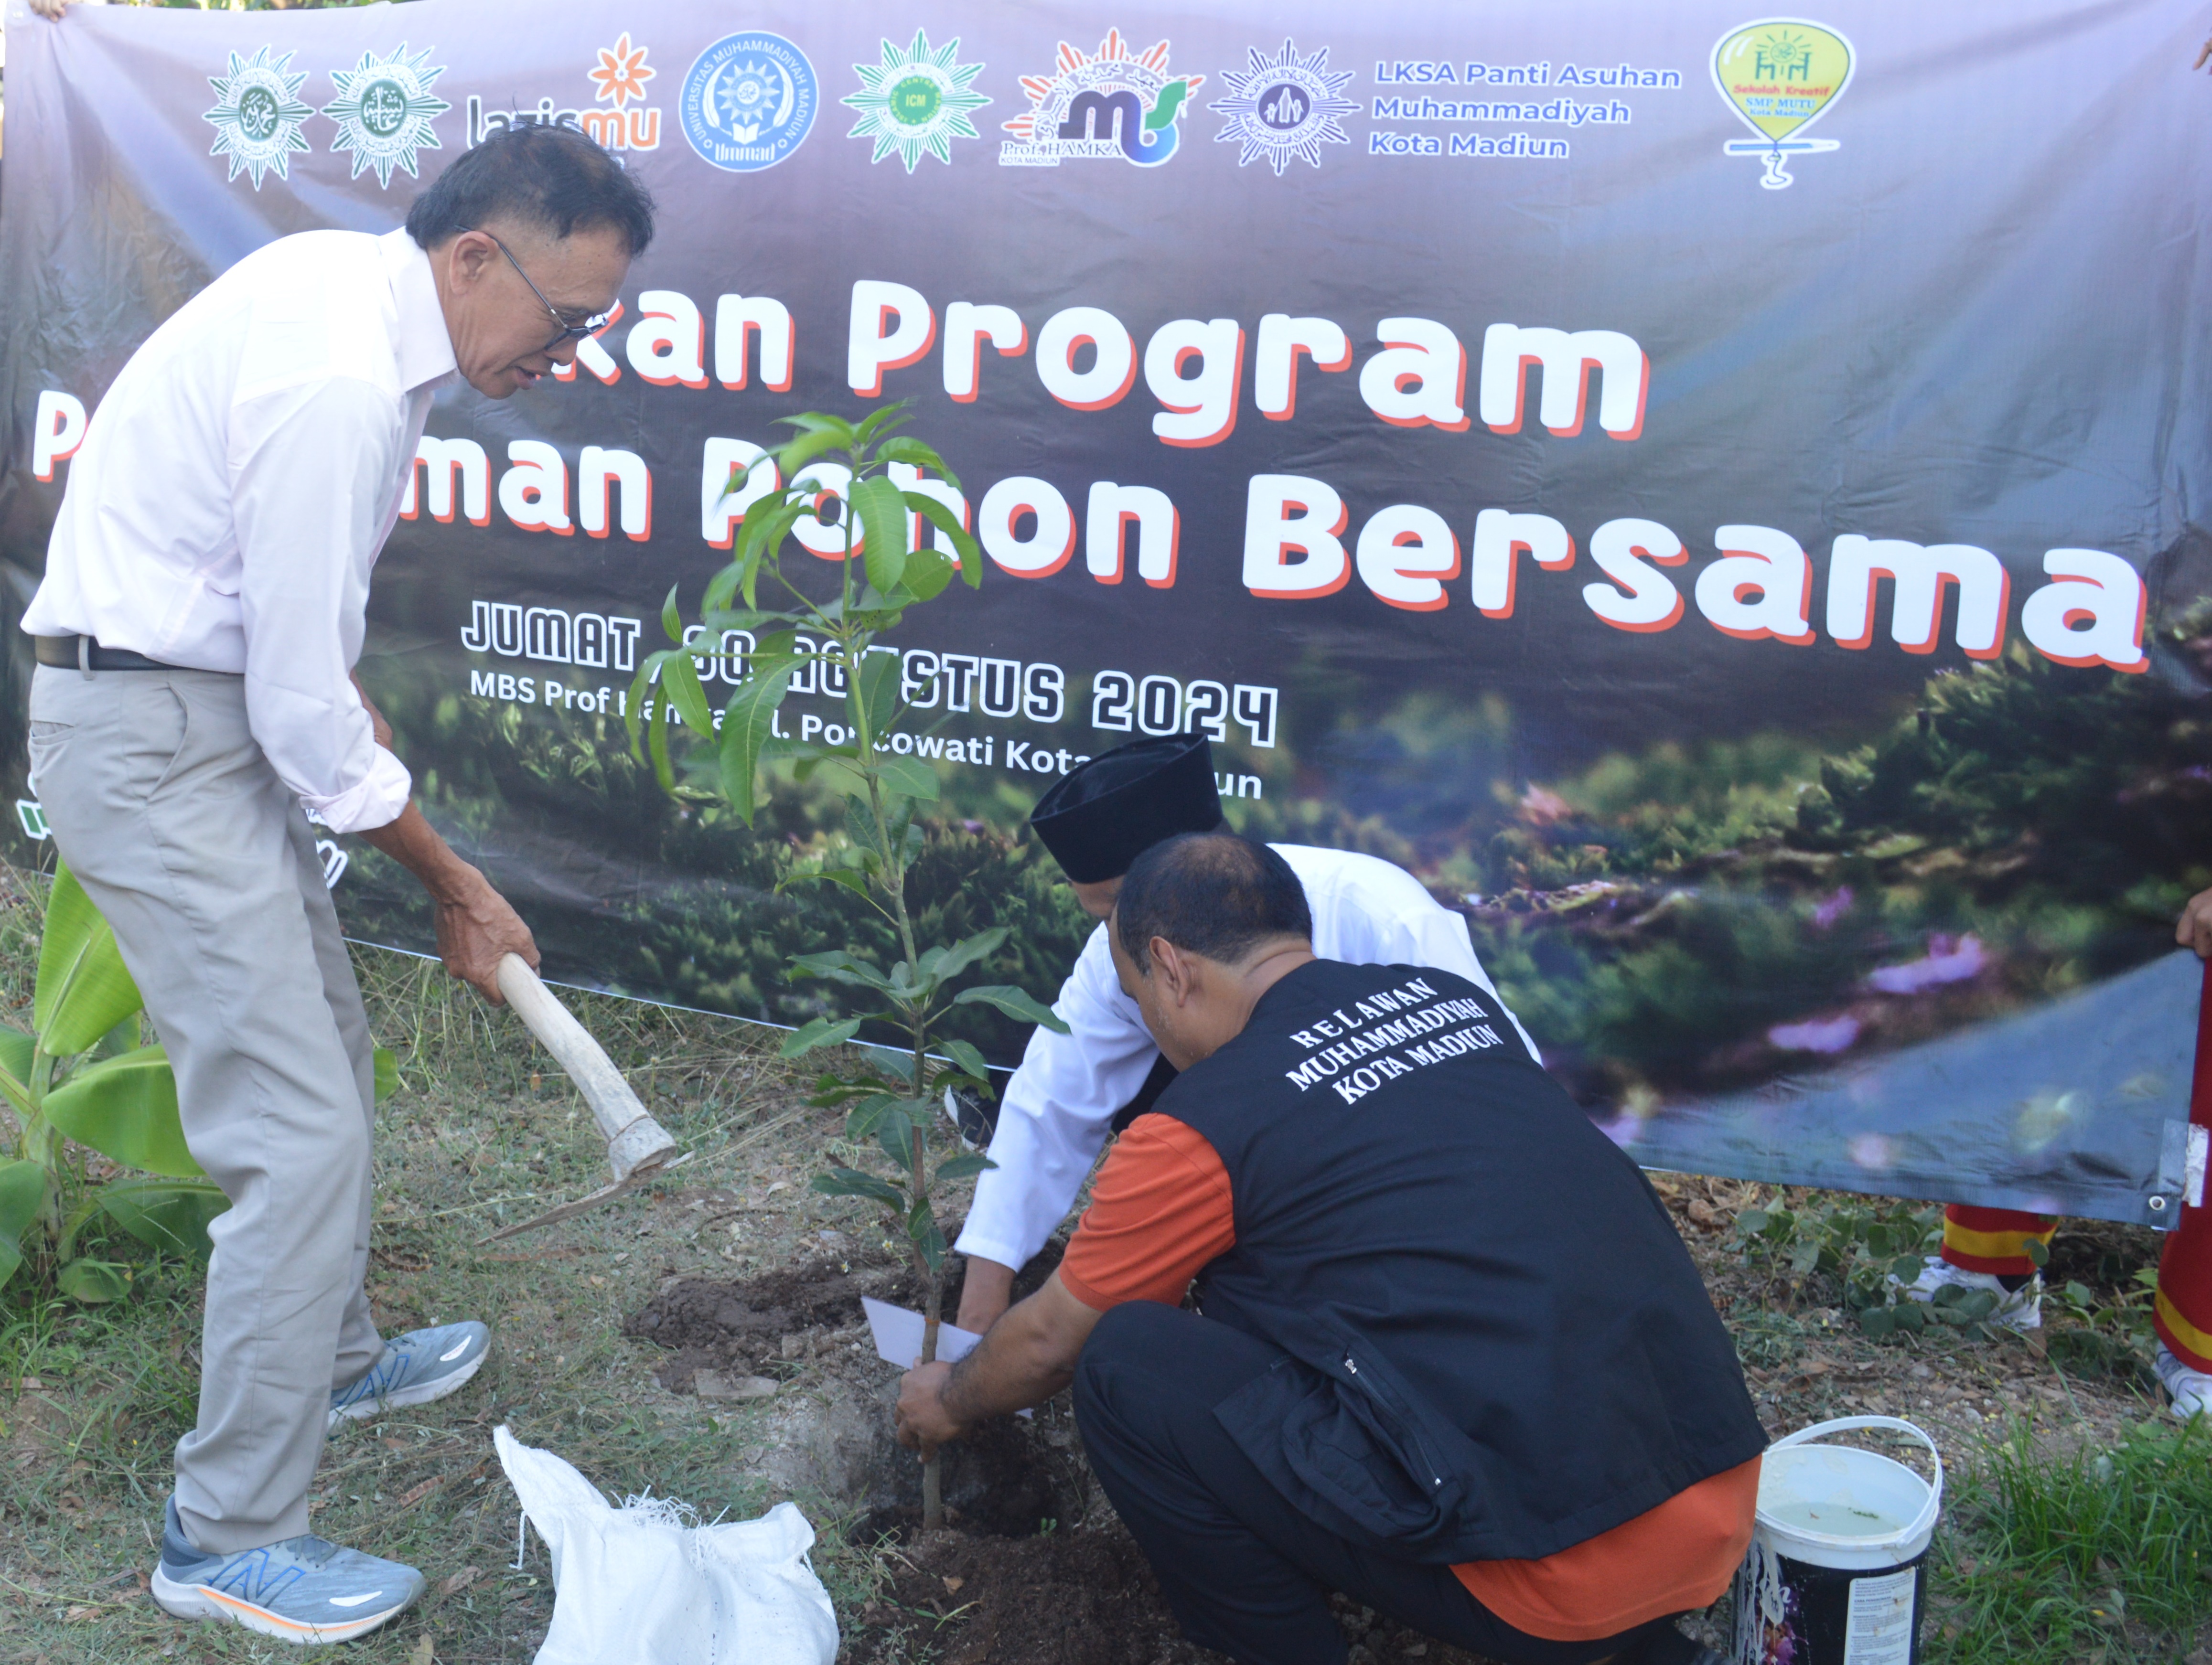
<point x="2102" y="1552"/>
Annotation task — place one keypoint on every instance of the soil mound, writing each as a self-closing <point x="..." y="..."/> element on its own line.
<point x="740" y="1327"/>
<point x="1080" y="1598"/>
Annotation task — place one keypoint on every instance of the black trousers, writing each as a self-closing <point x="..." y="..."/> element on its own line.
<point x="1244" y="1572"/>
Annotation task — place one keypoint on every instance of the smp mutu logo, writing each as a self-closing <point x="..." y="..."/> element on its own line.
<point x="1110" y="104"/>
<point x="1284" y="106"/>
<point x="384" y="110"/>
<point x="1780" y="75"/>
<point x="916" y="101"/>
<point x="258" y="115"/>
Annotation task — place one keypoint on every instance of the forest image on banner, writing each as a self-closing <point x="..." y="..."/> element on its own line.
<point x="1711" y="494"/>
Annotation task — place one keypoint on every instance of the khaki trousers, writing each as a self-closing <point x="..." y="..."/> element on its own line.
<point x="166" y="809"/>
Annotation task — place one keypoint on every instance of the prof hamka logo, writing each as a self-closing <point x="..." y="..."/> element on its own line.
<point x="749" y="101"/>
<point x="258" y="115"/>
<point x="1100" y="106"/>
<point x="1285" y="106"/>
<point x="384" y="110"/>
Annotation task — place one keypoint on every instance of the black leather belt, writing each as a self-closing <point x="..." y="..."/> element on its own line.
<point x="82" y="653"/>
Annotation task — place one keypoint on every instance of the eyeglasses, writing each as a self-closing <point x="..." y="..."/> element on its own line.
<point x="569" y="332"/>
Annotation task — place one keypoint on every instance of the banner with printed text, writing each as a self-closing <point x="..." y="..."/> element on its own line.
<point x="1714" y="495"/>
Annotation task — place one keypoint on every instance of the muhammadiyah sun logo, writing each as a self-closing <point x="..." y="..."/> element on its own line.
<point x="916" y="101"/>
<point x="1781" y="74"/>
<point x="257" y="115"/>
<point x="384" y="110"/>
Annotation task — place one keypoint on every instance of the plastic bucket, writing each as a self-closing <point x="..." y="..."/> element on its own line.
<point x="1837" y="1572"/>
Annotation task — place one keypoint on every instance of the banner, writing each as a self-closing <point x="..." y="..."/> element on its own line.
<point x="1717" y="497"/>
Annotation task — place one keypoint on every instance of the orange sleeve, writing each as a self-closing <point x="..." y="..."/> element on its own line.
<point x="1160" y="1211"/>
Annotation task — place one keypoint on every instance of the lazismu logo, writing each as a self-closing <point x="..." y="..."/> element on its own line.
<point x="1100" y="106"/>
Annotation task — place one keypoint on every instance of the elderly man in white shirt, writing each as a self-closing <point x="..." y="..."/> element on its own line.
<point x="197" y="626"/>
<point x="1073" y="1090"/>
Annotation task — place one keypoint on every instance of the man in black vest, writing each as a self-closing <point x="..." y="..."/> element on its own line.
<point x="1452" y="1358"/>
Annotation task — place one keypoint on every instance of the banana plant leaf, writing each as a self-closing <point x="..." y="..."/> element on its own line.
<point x="126" y="1108"/>
<point x="83" y="989"/>
<point x="94" y="1282"/>
<point x="22" y="1189"/>
<point x="169" y="1214"/>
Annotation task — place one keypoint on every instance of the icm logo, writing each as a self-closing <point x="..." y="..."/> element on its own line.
<point x="1284" y="106"/>
<point x="749" y="101"/>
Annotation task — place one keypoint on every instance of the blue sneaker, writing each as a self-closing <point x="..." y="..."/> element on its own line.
<point x="304" y="1589"/>
<point x="421" y="1366"/>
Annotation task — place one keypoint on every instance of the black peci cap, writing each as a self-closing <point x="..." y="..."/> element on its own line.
<point x="1112" y="809"/>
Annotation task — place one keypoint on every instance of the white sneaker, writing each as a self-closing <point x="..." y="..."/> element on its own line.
<point x="2019" y="1309"/>
<point x="2191" y="1388"/>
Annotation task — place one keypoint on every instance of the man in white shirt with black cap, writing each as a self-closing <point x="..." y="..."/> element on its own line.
<point x="202" y="611"/>
<point x="1071" y="1091"/>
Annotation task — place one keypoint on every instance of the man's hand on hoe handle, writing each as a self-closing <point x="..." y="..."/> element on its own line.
<point x="476" y="926"/>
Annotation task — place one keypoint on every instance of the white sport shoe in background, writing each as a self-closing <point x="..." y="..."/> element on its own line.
<point x="2019" y="1309"/>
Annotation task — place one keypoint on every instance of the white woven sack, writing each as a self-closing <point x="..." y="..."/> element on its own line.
<point x="634" y="1586"/>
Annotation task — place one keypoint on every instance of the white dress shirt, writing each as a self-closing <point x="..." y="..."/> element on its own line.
<point x="237" y="484"/>
<point x="1061" y="1102"/>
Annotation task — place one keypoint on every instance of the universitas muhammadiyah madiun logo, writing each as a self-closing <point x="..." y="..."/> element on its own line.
<point x="257" y="114"/>
<point x="1285" y="106"/>
<point x="384" y="110"/>
<point x="1109" y="104"/>
<point x="748" y="101"/>
<point x="1780" y="75"/>
<point x="916" y="101"/>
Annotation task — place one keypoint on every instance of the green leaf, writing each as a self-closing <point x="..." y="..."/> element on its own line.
<point x="16" y="1050"/>
<point x="873" y="695"/>
<point x="895" y="1135"/>
<point x="883" y="512"/>
<point x="679" y="681"/>
<point x="83" y="989"/>
<point x="1877" y="1321"/>
<point x="819" y="1032"/>
<point x="672" y="621"/>
<point x="126" y="1108"/>
<point x="1015" y="1003"/>
<point x="927" y="573"/>
<point x="971" y="1062"/>
<point x="890" y="416"/>
<point x="815" y="421"/>
<point x="840" y="965"/>
<point x="94" y="1282"/>
<point x="748" y="723"/>
<point x="387" y="1073"/>
<point x="940" y="516"/>
<point x="851" y="1181"/>
<point x="1751" y="1222"/>
<point x="959" y="1167"/>
<point x="922" y="1229"/>
<point x="798" y="453"/>
<point x="22" y="1193"/>
<point x="172" y="1215"/>
<point x="905" y="448"/>
<point x="966" y="952"/>
<point x="2038" y="1252"/>
<point x="1909" y="1316"/>
<point x="864" y="1117"/>
<point x="907" y="775"/>
<point x="857" y="883"/>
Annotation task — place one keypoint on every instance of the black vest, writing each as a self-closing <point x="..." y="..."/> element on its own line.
<point x="1499" y="1346"/>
